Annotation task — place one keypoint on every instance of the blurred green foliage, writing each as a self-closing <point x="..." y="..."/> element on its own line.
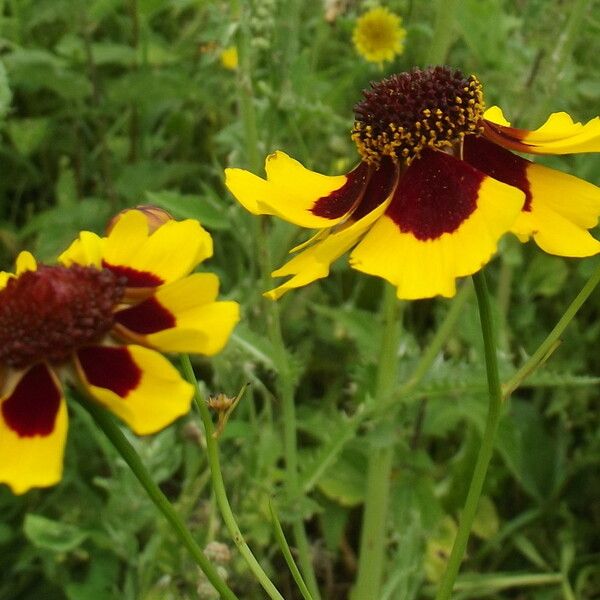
<point x="107" y="104"/>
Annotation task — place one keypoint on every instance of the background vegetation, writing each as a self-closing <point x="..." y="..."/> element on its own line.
<point x="107" y="104"/>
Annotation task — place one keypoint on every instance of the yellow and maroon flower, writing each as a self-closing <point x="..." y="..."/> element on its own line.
<point x="100" y="318"/>
<point x="435" y="190"/>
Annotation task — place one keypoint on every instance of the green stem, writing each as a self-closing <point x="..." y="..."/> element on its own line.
<point x="487" y="442"/>
<point x="290" y="447"/>
<point x="554" y="336"/>
<point x="442" y="33"/>
<point x="287" y="554"/>
<point x="212" y="449"/>
<point x="106" y="422"/>
<point x="285" y="383"/>
<point x="373" y="535"/>
<point x="245" y="89"/>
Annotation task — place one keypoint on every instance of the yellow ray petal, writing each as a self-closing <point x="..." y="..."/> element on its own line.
<point x="314" y="262"/>
<point x="86" y="250"/>
<point x="171" y="252"/>
<point x="558" y="135"/>
<point x="199" y="324"/>
<point x="563" y="208"/>
<point x="427" y="268"/>
<point x="25" y="262"/>
<point x="138" y="384"/>
<point x="293" y="192"/>
<point x="33" y="456"/>
<point x="495" y="115"/>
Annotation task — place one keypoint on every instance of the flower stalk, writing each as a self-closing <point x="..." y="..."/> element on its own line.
<point x="373" y="536"/>
<point x="107" y="424"/>
<point x="212" y="450"/>
<point x="280" y="359"/>
<point x="487" y="444"/>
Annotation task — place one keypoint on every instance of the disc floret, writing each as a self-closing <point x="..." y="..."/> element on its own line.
<point x="423" y="108"/>
<point x="48" y="313"/>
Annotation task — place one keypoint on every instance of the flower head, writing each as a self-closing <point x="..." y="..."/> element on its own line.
<point x="229" y="58"/>
<point x="378" y="35"/>
<point x="436" y="188"/>
<point x="100" y="318"/>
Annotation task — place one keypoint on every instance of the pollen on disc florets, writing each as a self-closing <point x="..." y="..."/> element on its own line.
<point x="48" y="313"/>
<point x="407" y="112"/>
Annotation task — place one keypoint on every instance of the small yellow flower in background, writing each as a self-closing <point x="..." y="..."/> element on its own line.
<point x="378" y="35"/>
<point x="229" y="58"/>
<point x="102" y="317"/>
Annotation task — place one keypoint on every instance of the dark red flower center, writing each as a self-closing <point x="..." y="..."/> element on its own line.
<point x="407" y="112"/>
<point x="48" y="313"/>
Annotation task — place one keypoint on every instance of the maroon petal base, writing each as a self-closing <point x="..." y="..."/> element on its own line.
<point x="32" y="406"/>
<point x="146" y="317"/>
<point x="435" y="195"/>
<point x="112" y="368"/>
<point x="340" y="201"/>
<point x="501" y="164"/>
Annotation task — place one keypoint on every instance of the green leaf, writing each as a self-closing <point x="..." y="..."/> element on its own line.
<point x="486" y="523"/>
<point x="52" y="535"/>
<point x="546" y="275"/>
<point x="344" y="482"/>
<point x="100" y="579"/>
<point x="27" y="135"/>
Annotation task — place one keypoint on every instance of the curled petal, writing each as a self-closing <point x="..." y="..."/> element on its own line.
<point x="558" y="135"/>
<point x="137" y="384"/>
<point x="33" y="430"/>
<point x="296" y="194"/>
<point x="315" y="260"/>
<point x="444" y="222"/>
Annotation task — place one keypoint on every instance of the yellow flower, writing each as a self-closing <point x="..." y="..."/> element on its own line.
<point x="101" y="317"/>
<point x="436" y="188"/>
<point x="378" y="35"/>
<point x="229" y="58"/>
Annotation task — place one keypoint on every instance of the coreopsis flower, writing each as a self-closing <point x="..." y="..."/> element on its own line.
<point x="436" y="188"/>
<point x="378" y="35"/>
<point x="100" y="319"/>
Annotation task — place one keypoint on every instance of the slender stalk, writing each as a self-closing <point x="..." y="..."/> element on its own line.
<point x="373" y="535"/>
<point x="487" y="442"/>
<point x="554" y="336"/>
<point x="212" y="450"/>
<point x="287" y="554"/>
<point x="443" y="32"/>
<point x="290" y="447"/>
<point x="246" y="92"/>
<point x="281" y="360"/>
<point x="107" y="424"/>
